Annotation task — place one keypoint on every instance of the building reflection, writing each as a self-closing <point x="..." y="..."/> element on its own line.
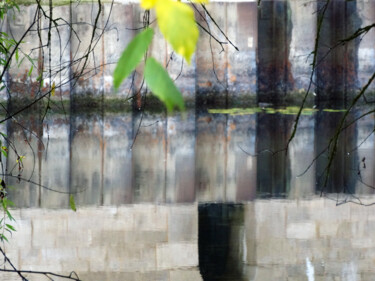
<point x="203" y="157"/>
<point x="336" y="168"/>
<point x="273" y="163"/>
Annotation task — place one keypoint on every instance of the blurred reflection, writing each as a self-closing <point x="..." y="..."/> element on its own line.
<point x="25" y="133"/>
<point x="273" y="164"/>
<point x="336" y="170"/>
<point x="205" y="157"/>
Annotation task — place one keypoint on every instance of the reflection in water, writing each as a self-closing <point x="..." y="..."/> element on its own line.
<point x="204" y="157"/>
<point x="338" y="173"/>
<point x="273" y="173"/>
<point x="117" y="234"/>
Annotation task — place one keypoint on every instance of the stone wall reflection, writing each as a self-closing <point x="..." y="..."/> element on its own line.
<point x="366" y="155"/>
<point x="337" y="167"/>
<point x="203" y="157"/>
<point x="273" y="162"/>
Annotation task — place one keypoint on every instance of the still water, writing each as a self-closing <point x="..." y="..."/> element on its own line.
<point x="211" y="195"/>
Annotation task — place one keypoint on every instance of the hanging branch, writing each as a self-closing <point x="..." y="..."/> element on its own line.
<point x="72" y="276"/>
<point x="218" y="27"/>
<point x="313" y="67"/>
<point x="11" y="264"/>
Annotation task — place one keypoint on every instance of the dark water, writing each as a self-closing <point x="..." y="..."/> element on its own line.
<point x="212" y="195"/>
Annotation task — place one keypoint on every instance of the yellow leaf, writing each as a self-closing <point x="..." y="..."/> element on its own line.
<point x="53" y="89"/>
<point x="20" y="158"/>
<point x="177" y="24"/>
<point x="148" y="4"/>
<point x="200" y="1"/>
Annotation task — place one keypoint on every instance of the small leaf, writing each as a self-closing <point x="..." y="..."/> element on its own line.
<point x="20" y="159"/>
<point x="10" y="227"/>
<point x="162" y="86"/>
<point x="177" y="24"/>
<point x="9" y="202"/>
<point x="131" y="56"/>
<point x="17" y="55"/>
<point x="30" y="71"/>
<point x="4" y="203"/>
<point x="2" y="237"/>
<point x="72" y="203"/>
<point x="10" y="216"/>
<point x="53" y="89"/>
<point x="21" y="61"/>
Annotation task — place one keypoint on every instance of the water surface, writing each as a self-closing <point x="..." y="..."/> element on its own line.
<point x="213" y="195"/>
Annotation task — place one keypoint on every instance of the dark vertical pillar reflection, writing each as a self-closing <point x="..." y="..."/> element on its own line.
<point x="220" y="236"/>
<point x="273" y="164"/>
<point x="342" y="175"/>
<point x="274" y="37"/>
<point x="337" y="68"/>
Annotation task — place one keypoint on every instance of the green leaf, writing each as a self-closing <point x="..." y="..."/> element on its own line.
<point x="10" y="216"/>
<point x="4" y="203"/>
<point x="72" y="203"/>
<point x="53" y="89"/>
<point x="30" y="71"/>
<point x="9" y="202"/>
<point x="10" y="227"/>
<point x="177" y="24"/>
<point x="131" y="56"/>
<point x="2" y="237"/>
<point x="162" y="86"/>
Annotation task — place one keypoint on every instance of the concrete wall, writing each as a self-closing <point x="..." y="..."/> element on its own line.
<point x="285" y="240"/>
<point x="132" y="242"/>
<point x="273" y="55"/>
<point x="263" y="240"/>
